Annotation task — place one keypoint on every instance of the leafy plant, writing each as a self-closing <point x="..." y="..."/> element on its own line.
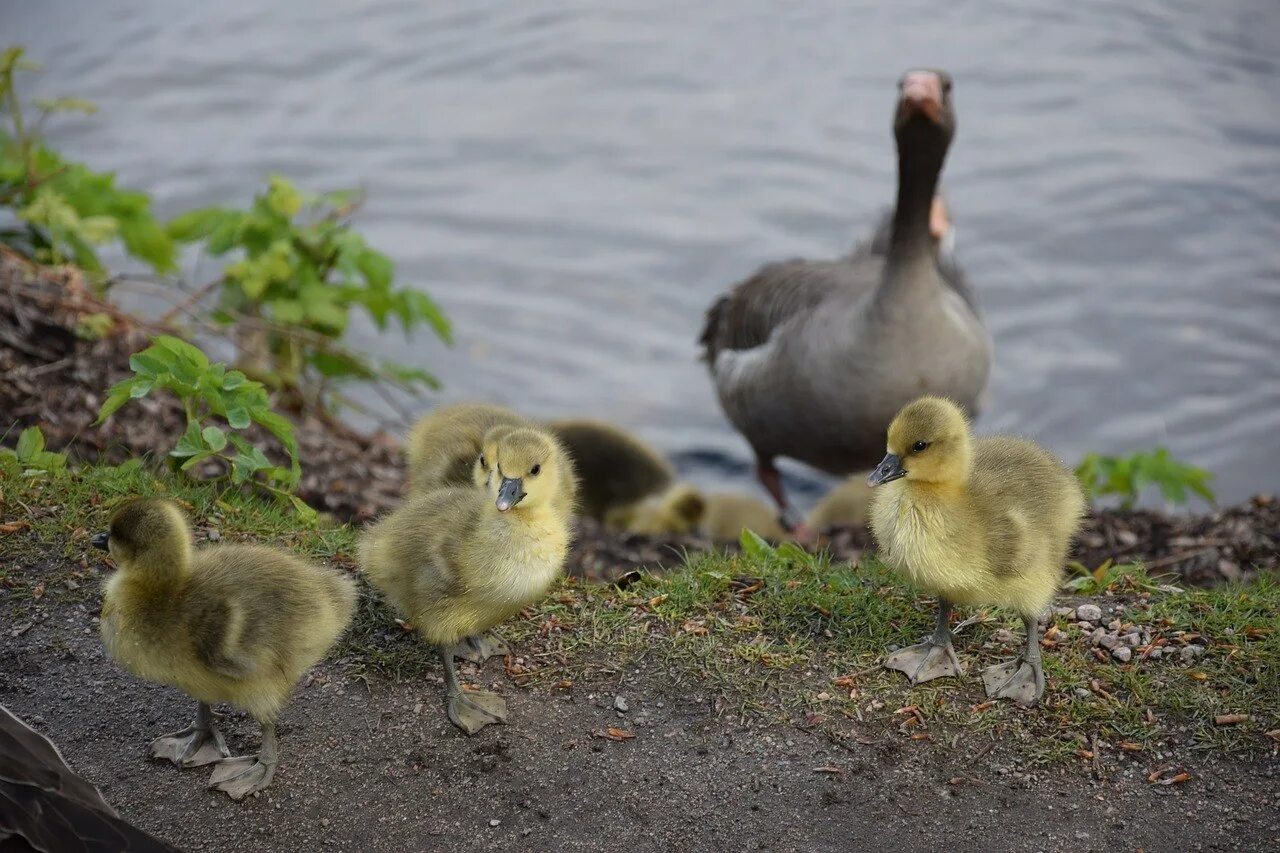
<point x="64" y="210"/>
<point x="210" y="393"/>
<point x="301" y="270"/>
<point x="1109" y="575"/>
<point x="30" y="458"/>
<point x="1126" y="476"/>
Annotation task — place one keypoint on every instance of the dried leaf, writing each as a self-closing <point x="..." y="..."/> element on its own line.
<point x="14" y="526"/>
<point x="827" y="769"/>
<point x="1130" y="746"/>
<point x="1229" y="719"/>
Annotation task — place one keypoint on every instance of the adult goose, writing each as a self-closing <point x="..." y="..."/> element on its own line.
<point x="812" y="359"/>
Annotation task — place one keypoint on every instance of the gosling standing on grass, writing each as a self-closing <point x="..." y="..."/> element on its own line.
<point x="458" y="561"/>
<point x="973" y="521"/>
<point x="225" y="623"/>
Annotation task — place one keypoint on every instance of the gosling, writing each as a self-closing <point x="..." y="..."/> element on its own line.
<point x="615" y="468"/>
<point x="442" y="447"/>
<point x="974" y="521"/>
<point x="227" y="623"/>
<point x="458" y="561"/>
<point x="682" y="510"/>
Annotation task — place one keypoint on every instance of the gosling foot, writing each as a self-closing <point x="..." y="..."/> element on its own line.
<point x="479" y="648"/>
<point x="925" y="661"/>
<point x="194" y="746"/>
<point x="239" y="777"/>
<point x="472" y="710"/>
<point x="1018" y="680"/>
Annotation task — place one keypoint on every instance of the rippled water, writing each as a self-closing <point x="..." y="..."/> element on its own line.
<point x="576" y="181"/>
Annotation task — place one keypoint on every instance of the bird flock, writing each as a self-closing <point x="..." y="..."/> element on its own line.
<point x="872" y="361"/>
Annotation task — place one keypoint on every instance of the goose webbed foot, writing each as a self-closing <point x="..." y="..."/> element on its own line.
<point x="247" y="774"/>
<point x="926" y="661"/>
<point x="198" y="744"/>
<point x="469" y="710"/>
<point x="478" y="648"/>
<point x="1022" y="679"/>
<point x="472" y="710"/>
<point x="934" y="658"/>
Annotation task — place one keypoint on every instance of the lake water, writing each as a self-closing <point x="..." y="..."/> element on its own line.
<point x="575" y="182"/>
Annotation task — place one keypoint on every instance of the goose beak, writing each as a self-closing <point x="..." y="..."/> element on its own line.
<point x="99" y="540"/>
<point x="510" y="493"/>
<point x="922" y="93"/>
<point x="889" y="469"/>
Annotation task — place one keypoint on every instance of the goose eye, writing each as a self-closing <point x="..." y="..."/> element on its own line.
<point x="919" y="446"/>
<point x="483" y="464"/>
<point x="535" y="470"/>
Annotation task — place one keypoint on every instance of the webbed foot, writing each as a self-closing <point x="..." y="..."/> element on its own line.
<point x="241" y="776"/>
<point x="925" y="661"/>
<point x="479" y="648"/>
<point x="1019" y="680"/>
<point x="472" y="710"/>
<point x="194" y="746"/>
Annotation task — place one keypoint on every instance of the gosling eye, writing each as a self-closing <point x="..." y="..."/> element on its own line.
<point x="535" y="470"/>
<point x="919" y="446"/>
<point x="483" y="464"/>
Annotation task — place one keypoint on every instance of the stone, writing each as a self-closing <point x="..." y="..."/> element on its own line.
<point x="620" y="704"/>
<point x="1122" y="654"/>
<point x="1089" y="613"/>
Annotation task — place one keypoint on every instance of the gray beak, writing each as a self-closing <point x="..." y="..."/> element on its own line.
<point x="889" y="469"/>
<point x="99" y="540"/>
<point x="510" y="493"/>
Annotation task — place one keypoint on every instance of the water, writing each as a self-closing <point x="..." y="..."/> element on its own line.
<point x="575" y="182"/>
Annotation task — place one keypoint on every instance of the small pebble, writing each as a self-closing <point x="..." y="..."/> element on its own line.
<point x="1156" y="653"/>
<point x="1133" y="639"/>
<point x="214" y="536"/>
<point x="1108" y="641"/>
<point x="495" y="822"/>
<point x="1089" y="613"/>
<point x="620" y="704"/>
<point x="1122" y="653"/>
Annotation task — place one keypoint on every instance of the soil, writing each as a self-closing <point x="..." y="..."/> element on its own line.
<point x="370" y="764"/>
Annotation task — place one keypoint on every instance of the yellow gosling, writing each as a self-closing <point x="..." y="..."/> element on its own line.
<point x="974" y="521"/>
<point x="458" y="561"/>
<point x="225" y="623"/>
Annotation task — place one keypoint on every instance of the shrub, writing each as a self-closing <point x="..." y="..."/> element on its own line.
<point x="64" y="210"/>
<point x="299" y="271"/>
<point x="220" y="404"/>
<point x="1126" y="476"/>
<point x="29" y="458"/>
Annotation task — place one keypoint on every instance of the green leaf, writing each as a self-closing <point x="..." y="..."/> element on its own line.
<point x="30" y="442"/>
<point x="119" y="394"/>
<point x="755" y="547"/>
<point x="280" y="427"/>
<point x="199" y="224"/>
<point x="214" y="437"/>
<point x="183" y="350"/>
<point x="191" y="442"/>
<point x="237" y="416"/>
<point x="147" y="241"/>
<point x="306" y="514"/>
<point x="140" y="388"/>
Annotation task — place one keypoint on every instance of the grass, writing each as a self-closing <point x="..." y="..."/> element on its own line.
<point x="767" y="634"/>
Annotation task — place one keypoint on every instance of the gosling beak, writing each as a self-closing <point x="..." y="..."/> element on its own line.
<point x="889" y="469"/>
<point x="510" y="493"/>
<point x="99" y="540"/>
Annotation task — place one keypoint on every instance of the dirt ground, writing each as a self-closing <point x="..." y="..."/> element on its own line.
<point x="374" y="765"/>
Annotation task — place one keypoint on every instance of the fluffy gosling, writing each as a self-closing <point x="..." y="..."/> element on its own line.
<point x="226" y="623"/>
<point x="974" y="521"/>
<point x="615" y="468"/>
<point x="458" y="561"/>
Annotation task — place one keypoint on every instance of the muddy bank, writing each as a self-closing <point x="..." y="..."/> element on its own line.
<point x="371" y="764"/>
<point x="53" y="375"/>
